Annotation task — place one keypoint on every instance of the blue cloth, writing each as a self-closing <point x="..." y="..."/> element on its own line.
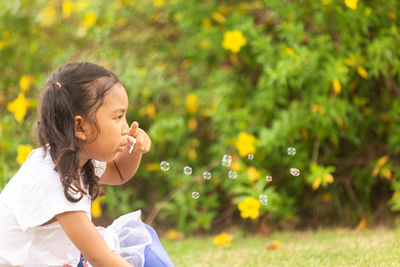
<point x="83" y="262"/>
<point x="155" y="254"/>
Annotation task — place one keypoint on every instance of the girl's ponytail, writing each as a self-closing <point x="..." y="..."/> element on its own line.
<point x="74" y="89"/>
<point x="60" y="120"/>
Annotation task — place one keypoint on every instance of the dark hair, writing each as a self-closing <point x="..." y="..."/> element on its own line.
<point x="76" y="88"/>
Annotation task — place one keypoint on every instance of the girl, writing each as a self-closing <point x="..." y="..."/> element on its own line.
<point x="85" y="142"/>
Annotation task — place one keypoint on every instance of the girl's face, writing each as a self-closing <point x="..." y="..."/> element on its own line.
<point x="112" y="126"/>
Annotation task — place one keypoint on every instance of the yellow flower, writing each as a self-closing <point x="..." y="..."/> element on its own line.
<point x="192" y="154"/>
<point x="351" y="4"/>
<point x="274" y="245"/>
<point x="47" y="16"/>
<point x="19" y="107"/>
<point x="174" y="235"/>
<point x="151" y="111"/>
<point x="253" y="174"/>
<point x="82" y="4"/>
<point x="191" y="103"/>
<point x="382" y="160"/>
<point x="385" y="172"/>
<point x="96" y="208"/>
<point x="362" y="225"/>
<point x="222" y="240"/>
<point x="3" y="43"/>
<point x="249" y="208"/>
<point x="233" y="41"/>
<point x="158" y="3"/>
<point x="90" y="19"/>
<point x="192" y="123"/>
<point x="363" y="73"/>
<point x="329" y="178"/>
<point x="118" y="5"/>
<point x="246" y="144"/>
<point x="351" y="60"/>
<point x="152" y="166"/>
<point x="235" y="163"/>
<point x="23" y="152"/>
<point x="336" y="86"/>
<point x="316" y="183"/>
<point x="375" y="171"/>
<point x="207" y="23"/>
<point x="178" y="17"/>
<point x="67" y="8"/>
<point x="289" y="50"/>
<point x="317" y="107"/>
<point x="25" y="82"/>
<point x="218" y="17"/>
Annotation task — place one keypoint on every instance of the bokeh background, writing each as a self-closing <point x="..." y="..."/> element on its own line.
<point x="209" y="78"/>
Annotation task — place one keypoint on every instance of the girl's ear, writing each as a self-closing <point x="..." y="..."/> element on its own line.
<point x="81" y="128"/>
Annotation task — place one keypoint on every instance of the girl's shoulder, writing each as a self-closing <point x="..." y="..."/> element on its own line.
<point x="36" y="175"/>
<point x="35" y="194"/>
<point x="37" y="166"/>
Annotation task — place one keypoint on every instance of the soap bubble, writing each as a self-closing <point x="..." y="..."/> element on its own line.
<point x="232" y="174"/>
<point x="164" y="165"/>
<point x="187" y="170"/>
<point x="226" y="160"/>
<point x="250" y="156"/>
<point x="294" y="171"/>
<point x="195" y="195"/>
<point x="263" y="199"/>
<point x="291" y="151"/>
<point x="207" y="175"/>
<point x="268" y="178"/>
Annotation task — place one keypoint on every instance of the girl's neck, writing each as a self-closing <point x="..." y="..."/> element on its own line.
<point x="82" y="159"/>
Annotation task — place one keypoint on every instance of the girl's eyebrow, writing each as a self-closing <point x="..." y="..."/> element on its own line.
<point x="120" y="110"/>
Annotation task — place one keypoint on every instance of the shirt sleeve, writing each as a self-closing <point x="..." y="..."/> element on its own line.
<point x="99" y="167"/>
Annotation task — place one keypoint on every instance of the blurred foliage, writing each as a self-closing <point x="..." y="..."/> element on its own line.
<point x="208" y="78"/>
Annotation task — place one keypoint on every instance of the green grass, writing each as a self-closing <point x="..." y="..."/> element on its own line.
<point x="379" y="247"/>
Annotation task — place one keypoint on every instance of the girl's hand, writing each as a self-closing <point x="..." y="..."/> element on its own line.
<point x="143" y="142"/>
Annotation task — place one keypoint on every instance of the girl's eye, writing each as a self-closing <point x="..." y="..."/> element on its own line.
<point x="119" y="117"/>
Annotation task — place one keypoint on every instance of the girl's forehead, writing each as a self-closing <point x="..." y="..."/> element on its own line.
<point x="116" y="96"/>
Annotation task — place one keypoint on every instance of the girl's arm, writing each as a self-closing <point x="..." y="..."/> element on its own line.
<point x="127" y="163"/>
<point x="82" y="232"/>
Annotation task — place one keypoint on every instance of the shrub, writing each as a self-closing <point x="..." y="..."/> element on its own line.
<point x="208" y="78"/>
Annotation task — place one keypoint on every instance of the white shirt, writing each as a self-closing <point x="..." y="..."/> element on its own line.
<point x="31" y="198"/>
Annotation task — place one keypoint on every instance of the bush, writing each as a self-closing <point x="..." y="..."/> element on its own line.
<point x="210" y="78"/>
